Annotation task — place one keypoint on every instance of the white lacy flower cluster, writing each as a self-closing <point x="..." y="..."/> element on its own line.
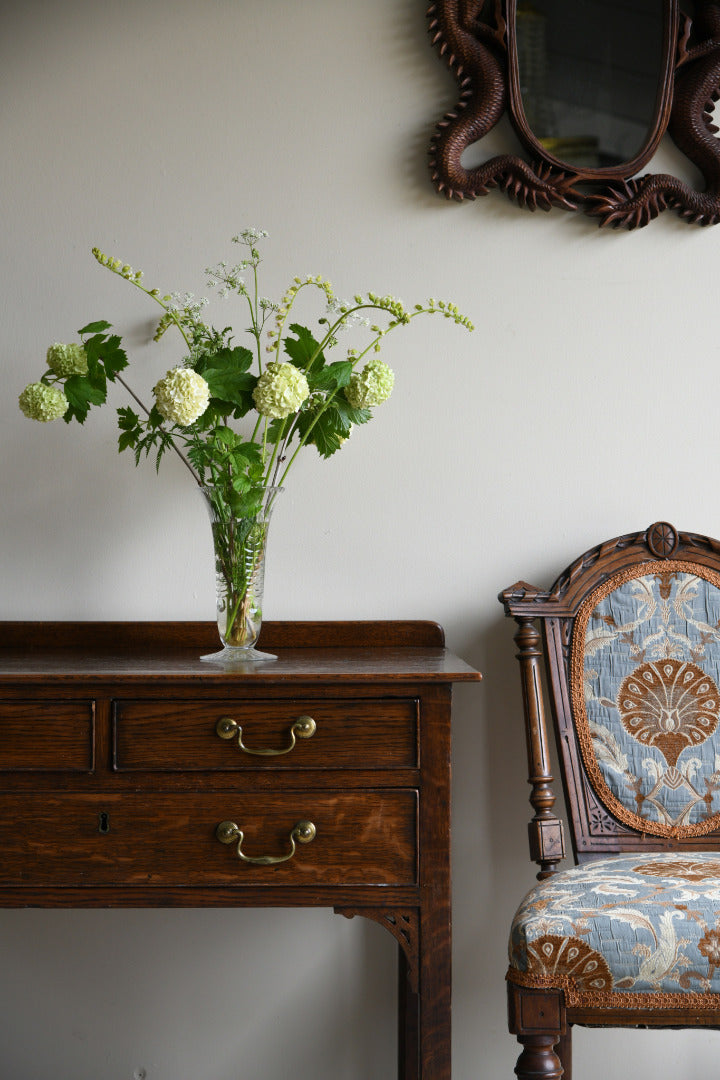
<point x="371" y="386"/>
<point x="182" y="396"/>
<point x="280" y="390"/>
<point x="64" y="360"/>
<point x="39" y="401"/>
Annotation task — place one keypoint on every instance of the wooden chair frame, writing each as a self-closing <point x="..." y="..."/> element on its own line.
<point x="541" y="1019"/>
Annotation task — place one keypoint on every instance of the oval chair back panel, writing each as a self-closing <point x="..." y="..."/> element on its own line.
<point x="645" y="678"/>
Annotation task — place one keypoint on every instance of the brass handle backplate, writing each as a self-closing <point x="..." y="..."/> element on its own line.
<point x="228" y="832"/>
<point x="303" y="728"/>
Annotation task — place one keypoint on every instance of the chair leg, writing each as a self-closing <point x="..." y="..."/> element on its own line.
<point x="563" y="1049"/>
<point x="538" y="1060"/>
<point x="539" y="1020"/>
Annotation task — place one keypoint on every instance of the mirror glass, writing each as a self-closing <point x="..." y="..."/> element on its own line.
<point x="590" y="76"/>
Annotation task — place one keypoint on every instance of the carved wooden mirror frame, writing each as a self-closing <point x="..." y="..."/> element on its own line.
<point x="475" y="37"/>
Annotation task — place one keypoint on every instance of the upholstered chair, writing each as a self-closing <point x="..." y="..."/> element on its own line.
<point x="628" y="936"/>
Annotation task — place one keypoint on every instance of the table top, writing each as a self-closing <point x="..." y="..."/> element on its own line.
<point x="405" y="652"/>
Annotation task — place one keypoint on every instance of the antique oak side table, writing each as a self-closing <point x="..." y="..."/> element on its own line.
<point x="132" y="774"/>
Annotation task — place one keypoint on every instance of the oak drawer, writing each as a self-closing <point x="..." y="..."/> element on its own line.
<point x="46" y="736"/>
<point x="144" y="839"/>
<point x="169" y="736"/>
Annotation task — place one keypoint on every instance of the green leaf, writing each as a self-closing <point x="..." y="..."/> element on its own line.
<point x="326" y="431"/>
<point x="93" y="349"/>
<point x="237" y="359"/>
<point x="163" y="445"/>
<point x="302" y="348"/>
<point x="198" y="456"/>
<point x="81" y="393"/>
<point x="113" y="357"/>
<point x="348" y="414"/>
<point x="245" y="505"/>
<point x="246" y="454"/>
<point x="105" y="357"/>
<point x="225" y="435"/>
<point x="95" y="327"/>
<point x="331" y="376"/>
<point x="256" y="472"/>
<point x="125" y="440"/>
<point x="130" y="429"/>
<point x="231" y="385"/>
<point x="276" y="430"/>
<point x="127" y="419"/>
<point x="331" y="427"/>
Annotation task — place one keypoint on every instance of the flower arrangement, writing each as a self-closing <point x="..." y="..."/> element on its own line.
<point x="237" y="430"/>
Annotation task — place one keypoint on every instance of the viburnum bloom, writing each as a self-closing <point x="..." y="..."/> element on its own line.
<point x="182" y="396"/>
<point x="64" y="360"/>
<point x="41" y="402"/>
<point x="280" y="390"/>
<point x="371" y="386"/>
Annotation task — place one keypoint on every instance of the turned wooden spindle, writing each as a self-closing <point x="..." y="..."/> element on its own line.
<point x="545" y="831"/>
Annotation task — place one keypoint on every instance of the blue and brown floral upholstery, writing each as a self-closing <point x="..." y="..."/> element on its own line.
<point x="622" y="929"/>
<point x="644" y="680"/>
<point x="634" y="929"/>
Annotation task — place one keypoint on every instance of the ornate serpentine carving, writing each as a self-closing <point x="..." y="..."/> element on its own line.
<point x="697" y="83"/>
<point x="476" y="52"/>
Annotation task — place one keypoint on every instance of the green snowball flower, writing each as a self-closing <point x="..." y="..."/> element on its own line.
<point x="280" y="390"/>
<point x="42" y="402"/>
<point x="182" y="396"/>
<point x="371" y="386"/>
<point x="66" y="360"/>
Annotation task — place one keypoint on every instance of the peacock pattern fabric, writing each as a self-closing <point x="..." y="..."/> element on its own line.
<point x="645" y="678"/>
<point x="624" y="931"/>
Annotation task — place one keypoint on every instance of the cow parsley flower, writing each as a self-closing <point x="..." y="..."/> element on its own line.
<point x="371" y="386"/>
<point x="250" y="236"/>
<point x="64" y="360"/>
<point x="182" y="396"/>
<point x="42" y="402"/>
<point x="280" y="390"/>
<point x="186" y="303"/>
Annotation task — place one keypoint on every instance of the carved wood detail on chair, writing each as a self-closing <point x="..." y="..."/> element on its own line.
<point x="545" y="831"/>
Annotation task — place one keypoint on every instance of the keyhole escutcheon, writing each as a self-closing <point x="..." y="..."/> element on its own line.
<point x="103" y="822"/>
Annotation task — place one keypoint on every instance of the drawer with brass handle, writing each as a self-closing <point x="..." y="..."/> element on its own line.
<point x="293" y="734"/>
<point x="194" y="839"/>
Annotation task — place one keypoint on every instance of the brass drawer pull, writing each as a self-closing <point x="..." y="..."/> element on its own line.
<point x="303" y="728"/>
<point x="228" y="832"/>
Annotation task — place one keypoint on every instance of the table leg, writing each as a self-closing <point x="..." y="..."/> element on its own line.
<point x="408" y="1027"/>
<point x="435" y="991"/>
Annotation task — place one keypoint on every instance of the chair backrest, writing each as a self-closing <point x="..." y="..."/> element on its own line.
<point x="631" y="632"/>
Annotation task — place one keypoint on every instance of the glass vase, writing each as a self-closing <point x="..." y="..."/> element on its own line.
<point x="239" y="543"/>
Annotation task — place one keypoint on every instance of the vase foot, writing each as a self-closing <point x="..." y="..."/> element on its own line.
<point x="234" y="657"/>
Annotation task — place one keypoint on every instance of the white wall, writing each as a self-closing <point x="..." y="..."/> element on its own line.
<point x="583" y="406"/>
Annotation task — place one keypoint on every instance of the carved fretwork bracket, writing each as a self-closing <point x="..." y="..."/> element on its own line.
<point x="403" y="924"/>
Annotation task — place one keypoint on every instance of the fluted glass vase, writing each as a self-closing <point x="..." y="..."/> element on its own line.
<point x="239" y="542"/>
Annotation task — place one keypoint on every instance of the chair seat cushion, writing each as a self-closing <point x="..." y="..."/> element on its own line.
<point x="626" y="931"/>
